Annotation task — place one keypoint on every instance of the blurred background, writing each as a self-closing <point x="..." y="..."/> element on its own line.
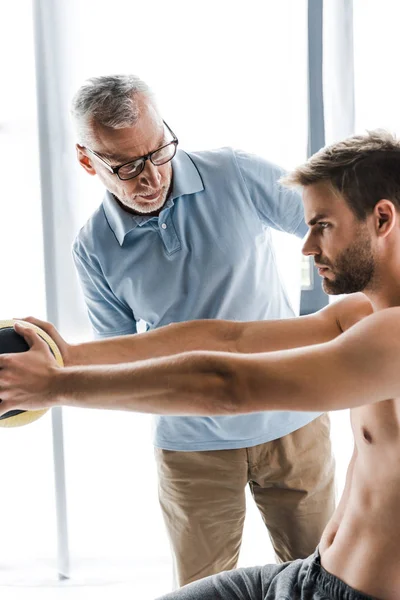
<point x="277" y="78"/>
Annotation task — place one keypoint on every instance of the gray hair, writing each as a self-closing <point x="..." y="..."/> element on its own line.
<point x="110" y="100"/>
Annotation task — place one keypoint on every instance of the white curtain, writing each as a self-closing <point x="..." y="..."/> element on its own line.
<point x="376" y="52"/>
<point x="338" y="71"/>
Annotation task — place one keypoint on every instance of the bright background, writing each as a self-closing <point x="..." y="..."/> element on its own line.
<point x="224" y="75"/>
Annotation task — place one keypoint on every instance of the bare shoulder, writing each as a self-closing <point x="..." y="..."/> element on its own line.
<point x="388" y="320"/>
<point x="350" y="310"/>
<point x="378" y="335"/>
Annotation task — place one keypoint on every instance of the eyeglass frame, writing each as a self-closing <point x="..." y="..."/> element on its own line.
<point x="144" y="158"/>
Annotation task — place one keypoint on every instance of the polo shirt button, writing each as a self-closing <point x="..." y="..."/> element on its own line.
<point x="164" y="226"/>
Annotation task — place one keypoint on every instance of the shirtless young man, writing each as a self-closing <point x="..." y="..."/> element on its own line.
<point x="352" y="206"/>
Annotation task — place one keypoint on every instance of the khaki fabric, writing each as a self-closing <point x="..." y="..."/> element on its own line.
<point x="202" y="496"/>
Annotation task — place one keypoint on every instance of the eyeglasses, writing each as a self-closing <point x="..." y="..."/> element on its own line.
<point x="133" y="168"/>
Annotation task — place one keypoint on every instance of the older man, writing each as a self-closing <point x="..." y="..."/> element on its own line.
<point x="182" y="236"/>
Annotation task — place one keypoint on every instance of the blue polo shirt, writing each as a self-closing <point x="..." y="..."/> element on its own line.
<point x="208" y="255"/>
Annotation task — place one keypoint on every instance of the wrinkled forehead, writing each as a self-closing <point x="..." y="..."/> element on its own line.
<point x="322" y="201"/>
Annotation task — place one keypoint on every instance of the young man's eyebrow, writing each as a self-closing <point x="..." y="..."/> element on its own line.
<point x="318" y="217"/>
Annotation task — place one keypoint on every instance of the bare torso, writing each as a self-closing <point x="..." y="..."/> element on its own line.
<point x="361" y="545"/>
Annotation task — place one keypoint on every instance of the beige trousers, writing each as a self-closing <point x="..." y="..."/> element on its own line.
<point x="202" y="496"/>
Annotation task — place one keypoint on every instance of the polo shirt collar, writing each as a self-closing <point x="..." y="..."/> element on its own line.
<point x="186" y="181"/>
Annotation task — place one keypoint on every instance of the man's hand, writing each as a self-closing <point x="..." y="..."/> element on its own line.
<point x="64" y="348"/>
<point x="27" y="379"/>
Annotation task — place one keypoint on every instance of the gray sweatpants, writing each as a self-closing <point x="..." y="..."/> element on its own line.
<point x="297" y="580"/>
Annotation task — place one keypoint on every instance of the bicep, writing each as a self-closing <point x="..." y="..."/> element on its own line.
<point x="318" y="328"/>
<point x="359" y="367"/>
<point x="283" y="334"/>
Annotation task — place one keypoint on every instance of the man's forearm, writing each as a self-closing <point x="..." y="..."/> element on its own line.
<point x="215" y="383"/>
<point x="213" y="335"/>
<point x="191" y="384"/>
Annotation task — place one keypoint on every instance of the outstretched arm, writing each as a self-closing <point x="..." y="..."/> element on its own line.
<point x="359" y="367"/>
<point x="216" y="335"/>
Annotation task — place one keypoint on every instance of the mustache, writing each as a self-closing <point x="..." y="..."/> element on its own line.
<point x="150" y="192"/>
<point x="321" y="262"/>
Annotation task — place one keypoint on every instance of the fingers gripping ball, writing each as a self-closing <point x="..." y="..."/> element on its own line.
<point x="11" y="342"/>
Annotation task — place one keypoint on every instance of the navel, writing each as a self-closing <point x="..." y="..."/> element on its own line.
<point x="367" y="436"/>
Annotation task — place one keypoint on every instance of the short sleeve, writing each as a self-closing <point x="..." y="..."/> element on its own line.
<point x="108" y="315"/>
<point x="277" y="206"/>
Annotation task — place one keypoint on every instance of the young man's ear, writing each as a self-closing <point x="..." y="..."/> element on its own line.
<point x="385" y="217"/>
<point x="84" y="160"/>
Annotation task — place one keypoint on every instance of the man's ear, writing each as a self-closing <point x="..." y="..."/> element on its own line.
<point x="84" y="160"/>
<point x="385" y="217"/>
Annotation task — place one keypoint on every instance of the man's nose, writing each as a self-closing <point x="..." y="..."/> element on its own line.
<point x="150" y="175"/>
<point x="310" y="247"/>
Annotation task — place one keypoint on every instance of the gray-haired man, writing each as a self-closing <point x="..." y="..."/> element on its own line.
<point x="182" y="236"/>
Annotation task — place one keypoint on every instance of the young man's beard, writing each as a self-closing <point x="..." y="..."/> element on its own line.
<point x="353" y="268"/>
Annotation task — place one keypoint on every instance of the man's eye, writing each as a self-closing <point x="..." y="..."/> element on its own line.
<point x="323" y="225"/>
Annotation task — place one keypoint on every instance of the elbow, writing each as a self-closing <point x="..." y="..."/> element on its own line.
<point x="230" y="399"/>
<point x="222" y="385"/>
